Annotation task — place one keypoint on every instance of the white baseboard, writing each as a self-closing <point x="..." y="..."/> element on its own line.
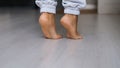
<point x="90" y="7"/>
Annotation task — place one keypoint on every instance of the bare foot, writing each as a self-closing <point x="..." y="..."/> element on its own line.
<point x="47" y="22"/>
<point x="69" y="22"/>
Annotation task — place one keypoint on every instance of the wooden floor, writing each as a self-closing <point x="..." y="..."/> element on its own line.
<point x="22" y="44"/>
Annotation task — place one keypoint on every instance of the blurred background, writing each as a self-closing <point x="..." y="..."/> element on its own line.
<point x="99" y="6"/>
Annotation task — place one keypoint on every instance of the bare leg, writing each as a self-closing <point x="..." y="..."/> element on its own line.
<point x="47" y="22"/>
<point x="69" y="22"/>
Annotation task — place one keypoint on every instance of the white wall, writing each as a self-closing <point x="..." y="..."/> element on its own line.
<point x="108" y="6"/>
<point x="91" y="4"/>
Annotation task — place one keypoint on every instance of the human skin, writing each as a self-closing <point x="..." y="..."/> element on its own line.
<point x="68" y="21"/>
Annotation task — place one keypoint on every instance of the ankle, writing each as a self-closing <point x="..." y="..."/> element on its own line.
<point x="71" y="15"/>
<point x="46" y="13"/>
